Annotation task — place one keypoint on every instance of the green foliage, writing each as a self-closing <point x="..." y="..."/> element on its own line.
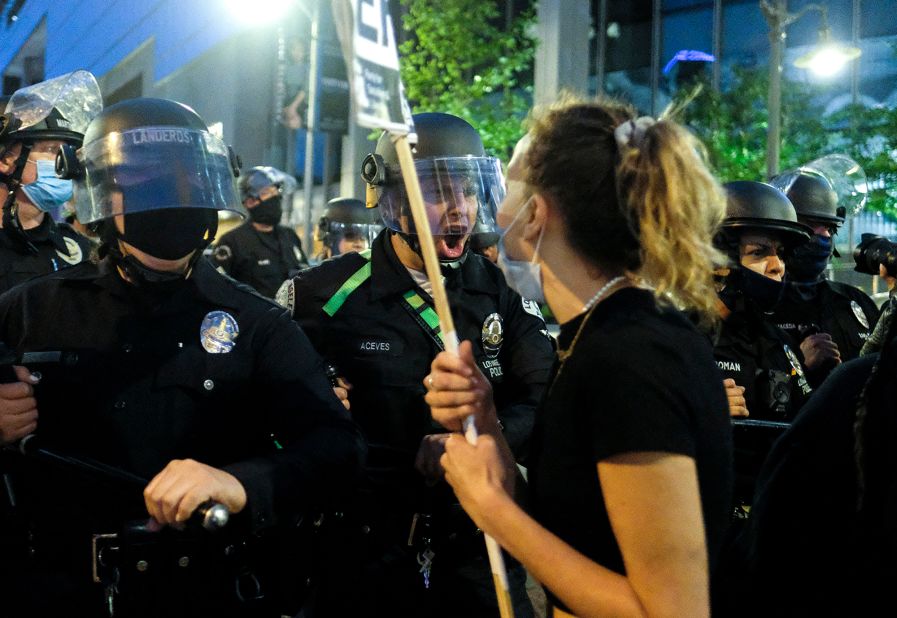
<point x="732" y="124"/>
<point x="460" y="59"/>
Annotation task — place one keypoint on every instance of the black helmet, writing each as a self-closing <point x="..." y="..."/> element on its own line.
<point x="812" y="196"/>
<point x="346" y="216"/>
<point x="55" y="109"/>
<point x="483" y="236"/>
<point x="455" y="174"/>
<point x="150" y="154"/>
<point x="261" y="176"/>
<point x="752" y="205"/>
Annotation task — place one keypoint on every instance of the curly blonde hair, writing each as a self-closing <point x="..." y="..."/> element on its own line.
<point x="651" y="209"/>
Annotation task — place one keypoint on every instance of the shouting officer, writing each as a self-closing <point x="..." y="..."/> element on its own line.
<point x="407" y="542"/>
<point x="38" y="120"/>
<point x="153" y="363"/>
<point x="831" y="320"/>
<point x="262" y="252"/>
<point x="346" y="225"/>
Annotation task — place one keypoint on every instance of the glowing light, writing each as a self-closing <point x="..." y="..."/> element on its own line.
<point x="258" y="11"/>
<point x="828" y="59"/>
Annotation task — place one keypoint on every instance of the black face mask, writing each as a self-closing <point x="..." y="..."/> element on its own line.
<point x="171" y="233"/>
<point x="809" y="260"/>
<point x="267" y="212"/>
<point x="761" y="292"/>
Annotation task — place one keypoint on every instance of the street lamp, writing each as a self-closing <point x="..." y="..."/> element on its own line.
<point x="826" y="59"/>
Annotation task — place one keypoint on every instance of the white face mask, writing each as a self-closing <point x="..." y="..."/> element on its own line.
<point x="523" y="277"/>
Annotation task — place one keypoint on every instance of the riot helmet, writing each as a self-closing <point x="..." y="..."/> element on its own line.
<point x="256" y="179"/>
<point x="154" y="163"/>
<point x="812" y="196"/>
<point x="56" y="110"/>
<point x="752" y="205"/>
<point x="346" y="221"/>
<point x="484" y="240"/>
<point x="756" y="208"/>
<point x="459" y="183"/>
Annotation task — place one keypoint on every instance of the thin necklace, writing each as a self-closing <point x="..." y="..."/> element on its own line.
<point x="589" y="307"/>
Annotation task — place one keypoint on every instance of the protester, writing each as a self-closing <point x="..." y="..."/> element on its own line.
<point x="630" y="480"/>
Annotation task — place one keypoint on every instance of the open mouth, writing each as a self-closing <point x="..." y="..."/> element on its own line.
<point x="450" y="246"/>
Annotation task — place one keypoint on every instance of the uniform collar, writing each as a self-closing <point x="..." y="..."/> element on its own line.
<point x="389" y="277"/>
<point x="46" y="231"/>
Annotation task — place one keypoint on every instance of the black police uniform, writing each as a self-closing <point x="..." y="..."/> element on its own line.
<point x="57" y="246"/>
<point x="355" y="312"/>
<point x="263" y="260"/>
<point x="762" y="359"/>
<point x="206" y="370"/>
<point x="841" y="310"/>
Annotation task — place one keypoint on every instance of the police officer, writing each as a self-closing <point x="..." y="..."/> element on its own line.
<point x="760" y="364"/>
<point x="153" y="363"/>
<point x="830" y="319"/>
<point x="262" y="252"/>
<point x="346" y="225"/>
<point x="759" y="230"/>
<point x="407" y="541"/>
<point x="38" y="120"/>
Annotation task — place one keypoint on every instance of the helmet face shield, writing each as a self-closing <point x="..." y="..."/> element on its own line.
<point x="458" y="192"/>
<point x="68" y="103"/>
<point x="153" y="168"/>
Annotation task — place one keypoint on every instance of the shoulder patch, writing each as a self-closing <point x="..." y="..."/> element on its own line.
<point x="75" y="254"/>
<point x="286" y="295"/>
<point x="859" y="314"/>
<point x="532" y="308"/>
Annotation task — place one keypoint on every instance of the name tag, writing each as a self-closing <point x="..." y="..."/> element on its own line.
<point x="265" y="262"/>
<point x="376" y="347"/>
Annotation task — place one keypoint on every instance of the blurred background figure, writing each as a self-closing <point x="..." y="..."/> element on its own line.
<point x="346" y="225"/>
<point x="262" y="252"/>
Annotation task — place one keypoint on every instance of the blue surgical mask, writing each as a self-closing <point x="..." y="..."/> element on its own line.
<point x="523" y="277"/>
<point x="49" y="191"/>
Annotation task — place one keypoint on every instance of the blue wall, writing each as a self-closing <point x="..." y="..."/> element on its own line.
<point x="97" y="34"/>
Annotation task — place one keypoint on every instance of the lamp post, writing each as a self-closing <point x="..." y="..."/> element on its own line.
<point x="827" y="58"/>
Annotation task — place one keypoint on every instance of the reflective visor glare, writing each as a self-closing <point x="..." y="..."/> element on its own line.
<point x="153" y="168"/>
<point x="458" y="192"/>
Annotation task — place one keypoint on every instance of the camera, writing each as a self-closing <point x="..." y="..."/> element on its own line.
<point x="872" y="251"/>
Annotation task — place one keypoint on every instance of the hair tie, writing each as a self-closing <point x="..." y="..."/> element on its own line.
<point x="631" y="133"/>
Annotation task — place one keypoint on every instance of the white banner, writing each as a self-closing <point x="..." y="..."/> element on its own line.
<point x="369" y="46"/>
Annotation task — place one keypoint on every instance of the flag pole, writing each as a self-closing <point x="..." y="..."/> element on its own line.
<point x="449" y="337"/>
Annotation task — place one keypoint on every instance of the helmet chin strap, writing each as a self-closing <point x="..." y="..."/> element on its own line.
<point x="136" y="271"/>
<point x="447" y="266"/>
<point x="11" y="220"/>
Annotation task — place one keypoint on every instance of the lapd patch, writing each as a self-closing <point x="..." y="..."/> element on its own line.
<point x="286" y="295"/>
<point x="858" y="312"/>
<point x="75" y="255"/>
<point x="532" y="308"/>
<point x="492" y="334"/>
<point x="218" y="332"/>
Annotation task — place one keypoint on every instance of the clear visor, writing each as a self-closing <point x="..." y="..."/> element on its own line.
<point x="459" y="193"/>
<point x="76" y="96"/>
<point x="152" y="168"/>
<point x="353" y="231"/>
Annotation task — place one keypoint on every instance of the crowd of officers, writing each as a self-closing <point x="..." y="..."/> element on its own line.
<point x="151" y="373"/>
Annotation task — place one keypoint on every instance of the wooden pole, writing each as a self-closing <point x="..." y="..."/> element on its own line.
<point x="449" y="337"/>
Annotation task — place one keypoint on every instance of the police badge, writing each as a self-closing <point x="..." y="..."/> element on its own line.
<point x="858" y="312"/>
<point x="218" y="332"/>
<point x="492" y="334"/>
